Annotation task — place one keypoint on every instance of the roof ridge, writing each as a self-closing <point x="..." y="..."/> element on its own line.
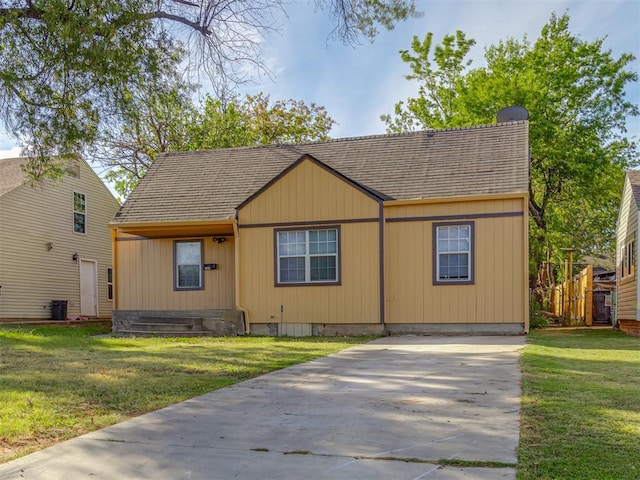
<point x="352" y="138"/>
<point x="415" y="132"/>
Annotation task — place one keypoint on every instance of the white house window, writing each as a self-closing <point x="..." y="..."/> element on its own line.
<point x="188" y="265"/>
<point x="109" y="283"/>
<point x="79" y="213"/>
<point x="307" y="256"/>
<point x="453" y="252"/>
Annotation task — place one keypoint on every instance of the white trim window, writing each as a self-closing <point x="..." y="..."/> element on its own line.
<point x="188" y="265"/>
<point x="79" y="213"/>
<point x="307" y="256"/>
<point x="453" y="253"/>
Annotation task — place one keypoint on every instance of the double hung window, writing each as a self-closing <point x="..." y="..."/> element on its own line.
<point x="453" y="252"/>
<point x="188" y="265"/>
<point x="307" y="256"/>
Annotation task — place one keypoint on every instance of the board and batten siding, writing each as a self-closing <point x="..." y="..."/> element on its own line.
<point x="31" y="275"/>
<point x="627" y="294"/>
<point x="146" y="275"/>
<point x="308" y="193"/>
<point x="499" y="293"/>
<point x="309" y="196"/>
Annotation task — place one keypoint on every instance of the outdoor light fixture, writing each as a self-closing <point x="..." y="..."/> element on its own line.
<point x="219" y="239"/>
<point x="74" y="257"/>
<point x="49" y="246"/>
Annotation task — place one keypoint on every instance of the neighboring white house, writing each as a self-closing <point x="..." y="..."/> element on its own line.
<point x="627" y="248"/>
<point x="55" y="246"/>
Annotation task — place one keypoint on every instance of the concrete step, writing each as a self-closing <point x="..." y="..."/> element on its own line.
<point x="149" y="333"/>
<point x="165" y="327"/>
<point x="171" y="320"/>
<point x="176" y="323"/>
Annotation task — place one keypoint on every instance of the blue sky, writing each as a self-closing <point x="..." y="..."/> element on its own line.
<point x="358" y="84"/>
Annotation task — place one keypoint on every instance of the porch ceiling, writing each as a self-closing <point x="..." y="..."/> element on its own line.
<point x="176" y="230"/>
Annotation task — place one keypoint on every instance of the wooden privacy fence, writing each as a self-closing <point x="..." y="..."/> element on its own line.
<point x="573" y="299"/>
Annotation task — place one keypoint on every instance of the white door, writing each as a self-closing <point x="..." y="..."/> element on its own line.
<point x="88" y="288"/>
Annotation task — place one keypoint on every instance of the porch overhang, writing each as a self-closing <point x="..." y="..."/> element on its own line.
<point x="193" y="228"/>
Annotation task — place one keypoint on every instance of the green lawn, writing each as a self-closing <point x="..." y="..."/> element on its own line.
<point x="60" y="382"/>
<point x="580" y="406"/>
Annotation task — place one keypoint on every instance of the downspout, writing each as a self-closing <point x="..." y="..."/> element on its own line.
<point x="525" y="220"/>
<point x="236" y="253"/>
<point x="114" y="267"/>
<point x="381" y="256"/>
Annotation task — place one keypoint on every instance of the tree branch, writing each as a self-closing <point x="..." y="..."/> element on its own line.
<point x="159" y="14"/>
<point x="24" y="12"/>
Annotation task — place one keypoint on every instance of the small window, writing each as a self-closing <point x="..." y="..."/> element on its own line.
<point x="188" y="265"/>
<point x="79" y="213"/>
<point x="109" y="283"/>
<point x="453" y="253"/>
<point x="629" y="257"/>
<point x="307" y="256"/>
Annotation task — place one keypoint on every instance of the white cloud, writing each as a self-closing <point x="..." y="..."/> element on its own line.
<point x="13" y="152"/>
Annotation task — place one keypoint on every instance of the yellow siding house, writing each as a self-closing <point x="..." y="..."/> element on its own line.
<point x="55" y="245"/>
<point x="423" y="232"/>
<point x="628" y="308"/>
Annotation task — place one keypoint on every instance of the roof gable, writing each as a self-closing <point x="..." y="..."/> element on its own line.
<point x="210" y="185"/>
<point x="306" y="157"/>
<point x="634" y="181"/>
<point x="11" y="174"/>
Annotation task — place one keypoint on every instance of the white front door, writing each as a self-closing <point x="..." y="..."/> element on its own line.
<point x="88" y="288"/>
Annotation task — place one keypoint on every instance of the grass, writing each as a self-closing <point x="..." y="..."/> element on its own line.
<point x="580" y="406"/>
<point x="57" y="383"/>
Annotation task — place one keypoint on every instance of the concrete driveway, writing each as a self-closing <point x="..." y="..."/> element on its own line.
<point x="388" y="409"/>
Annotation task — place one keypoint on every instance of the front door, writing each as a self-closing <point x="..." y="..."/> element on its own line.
<point x="88" y="288"/>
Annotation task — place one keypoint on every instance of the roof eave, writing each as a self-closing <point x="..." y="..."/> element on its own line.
<point x="458" y="198"/>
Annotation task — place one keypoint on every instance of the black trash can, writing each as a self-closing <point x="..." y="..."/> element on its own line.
<point x="58" y="309"/>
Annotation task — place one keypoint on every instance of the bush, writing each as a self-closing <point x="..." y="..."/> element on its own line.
<point x="537" y="318"/>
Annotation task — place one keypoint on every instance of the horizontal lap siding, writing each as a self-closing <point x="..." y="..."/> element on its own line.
<point x="499" y="292"/>
<point x="309" y="193"/>
<point x="30" y="274"/>
<point x="627" y="224"/>
<point x="145" y="276"/>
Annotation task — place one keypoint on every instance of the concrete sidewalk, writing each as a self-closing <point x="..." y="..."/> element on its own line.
<point x="384" y="410"/>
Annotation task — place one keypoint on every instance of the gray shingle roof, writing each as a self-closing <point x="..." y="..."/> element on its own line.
<point x="209" y="185"/>
<point x="634" y="179"/>
<point x="11" y="175"/>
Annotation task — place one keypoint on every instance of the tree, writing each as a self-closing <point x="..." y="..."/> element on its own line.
<point x="70" y="67"/>
<point x="575" y="94"/>
<point x="168" y="121"/>
<point x="153" y="121"/>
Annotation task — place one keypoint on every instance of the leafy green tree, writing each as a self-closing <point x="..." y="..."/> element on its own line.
<point x="574" y="91"/>
<point x="168" y="121"/>
<point x="439" y="81"/>
<point x="152" y="121"/>
<point x="257" y="121"/>
<point x="69" y="69"/>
